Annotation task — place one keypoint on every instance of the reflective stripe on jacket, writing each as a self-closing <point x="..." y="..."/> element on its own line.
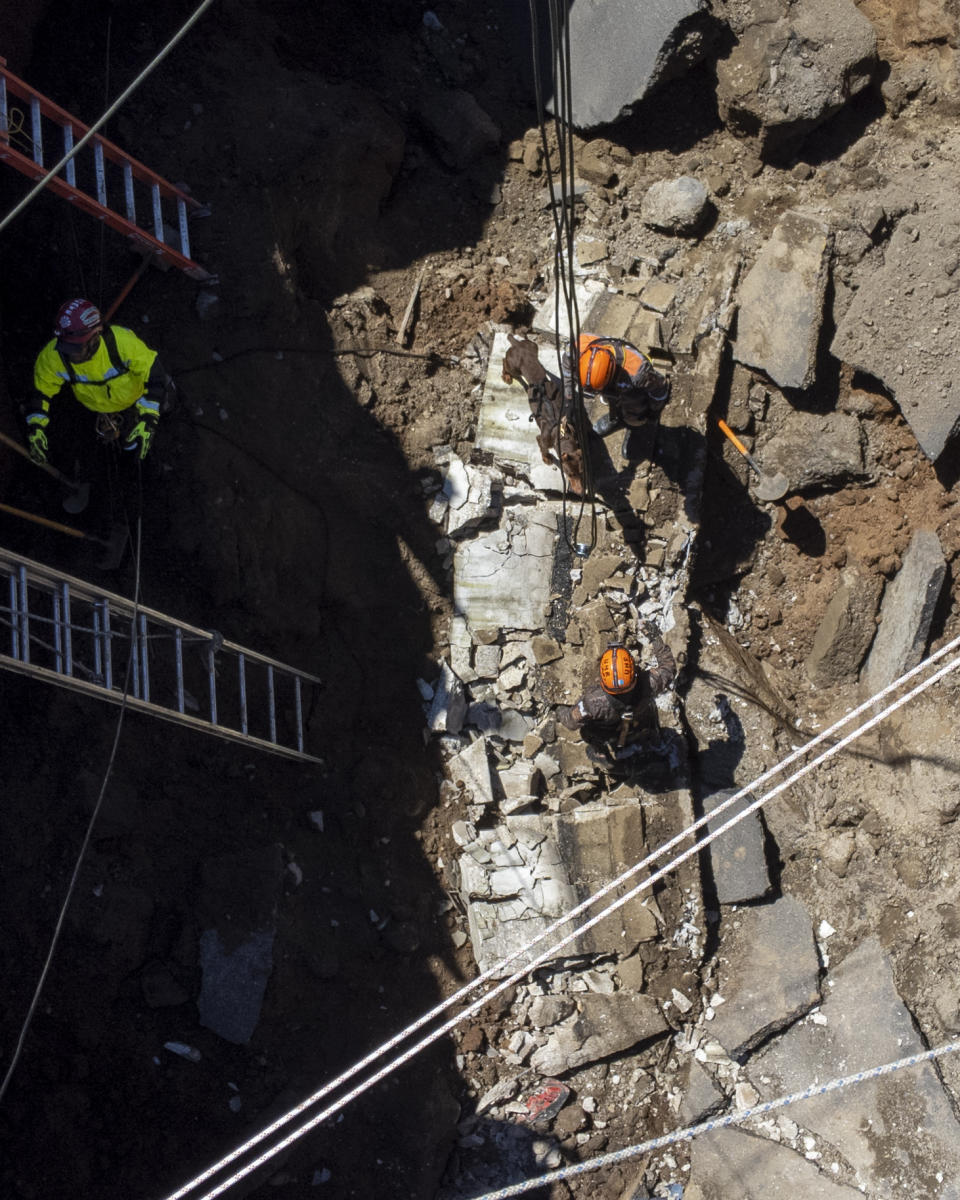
<point x="99" y="384"/>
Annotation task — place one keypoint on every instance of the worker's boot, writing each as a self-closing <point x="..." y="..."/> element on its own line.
<point x="607" y="424"/>
<point x="630" y="447"/>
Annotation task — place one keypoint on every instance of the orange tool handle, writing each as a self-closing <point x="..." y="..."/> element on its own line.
<point x="18" y="512"/>
<point x="725" y="428"/>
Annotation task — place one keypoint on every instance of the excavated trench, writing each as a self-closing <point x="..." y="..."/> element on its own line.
<point x="292" y="502"/>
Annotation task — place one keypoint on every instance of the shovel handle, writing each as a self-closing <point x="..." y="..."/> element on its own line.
<point x="50" y="470"/>
<point x="19" y="512"/>
<point x="725" y="429"/>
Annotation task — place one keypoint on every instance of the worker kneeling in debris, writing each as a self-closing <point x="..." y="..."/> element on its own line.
<point x="618" y="716"/>
<point x="627" y="380"/>
<point x="111" y="372"/>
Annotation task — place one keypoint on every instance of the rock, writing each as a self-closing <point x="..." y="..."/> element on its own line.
<point x="907" y="612"/>
<point x="771" y="976"/>
<point x="234" y="983"/>
<point x="729" y="1162"/>
<point x="603" y="1025"/>
<point x="486" y="661"/>
<point x="470" y="769"/>
<point x="781" y="302"/>
<point x="915" y="285"/>
<point x="449" y="705"/>
<point x="458" y="126"/>
<point x="676" y="205"/>
<point x="514" y="725"/>
<point x="701" y="1096"/>
<point x="737" y="857"/>
<point x="816" y="450"/>
<point x="866" y="1024"/>
<point x="838" y="850"/>
<point x="590" y="252"/>
<point x="637" y="56"/>
<point x="794" y="66"/>
<point x="545" y="649"/>
<point x="846" y="630"/>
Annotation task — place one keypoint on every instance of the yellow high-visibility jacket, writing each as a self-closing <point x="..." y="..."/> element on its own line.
<point x="107" y="382"/>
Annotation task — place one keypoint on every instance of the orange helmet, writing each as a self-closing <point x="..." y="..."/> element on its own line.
<point x="598" y="365"/>
<point x="618" y="671"/>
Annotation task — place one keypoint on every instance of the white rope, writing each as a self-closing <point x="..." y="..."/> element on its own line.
<point x="736" y="1118"/>
<point x="552" y="950"/>
<point x="42" y="183"/>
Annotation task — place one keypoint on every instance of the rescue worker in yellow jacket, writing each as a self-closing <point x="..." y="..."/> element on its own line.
<point x="623" y="375"/>
<point x="110" y="371"/>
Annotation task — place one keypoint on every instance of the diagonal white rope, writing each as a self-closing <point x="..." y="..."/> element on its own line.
<point x="736" y="1118"/>
<point x="121" y="99"/>
<point x="552" y="950"/>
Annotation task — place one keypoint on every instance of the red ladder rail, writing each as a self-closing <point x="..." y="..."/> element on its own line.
<point x="94" y="200"/>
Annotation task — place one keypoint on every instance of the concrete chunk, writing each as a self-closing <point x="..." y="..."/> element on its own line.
<point x="603" y="1025"/>
<point x="781" y="302"/>
<point x="449" y="705"/>
<point x="907" y="611"/>
<point x="471" y="769"/>
<point x="846" y="630"/>
<point x="675" y="205"/>
<point x="816" y="450"/>
<point x="737" y="856"/>
<point x="729" y="1162"/>
<point x="771" y="974"/>
<point x="900" y="1132"/>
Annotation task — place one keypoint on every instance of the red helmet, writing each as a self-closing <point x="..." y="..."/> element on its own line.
<point x="77" y="321"/>
<point x="618" y="671"/>
<point x="598" y="366"/>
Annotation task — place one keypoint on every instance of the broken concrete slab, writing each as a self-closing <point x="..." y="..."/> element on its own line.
<point x="899" y="1133"/>
<point x="781" y="302"/>
<point x="449" y="704"/>
<point x="505" y="427"/>
<point x="732" y="1162"/>
<point x="794" y="67"/>
<point x="913" y="287"/>
<point x="470" y="770"/>
<point x="602" y="1025"/>
<point x="737" y="857"/>
<point x="846" y="630"/>
<point x="586" y="291"/>
<point x="502" y="577"/>
<point x="236" y="942"/>
<point x="638" y="56"/>
<point x="478" y="503"/>
<point x="907" y="612"/>
<point x="701" y="1097"/>
<point x="771" y="973"/>
<point x="816" y="450"/>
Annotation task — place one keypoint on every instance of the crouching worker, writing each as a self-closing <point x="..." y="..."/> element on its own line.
<point x="618" y="715"/>
<point x="113" y="374"/>
<point x="626" y="379"/>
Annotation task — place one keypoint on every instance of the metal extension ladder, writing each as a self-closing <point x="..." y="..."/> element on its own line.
<point x="107" y="164"/>
<point x="71" y="633"/>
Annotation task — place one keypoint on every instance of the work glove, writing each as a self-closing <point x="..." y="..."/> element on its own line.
<point x="140" y="437"/>
<point x="37" y="439"/>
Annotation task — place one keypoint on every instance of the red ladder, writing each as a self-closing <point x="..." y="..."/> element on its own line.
<point x="107" y="159"/>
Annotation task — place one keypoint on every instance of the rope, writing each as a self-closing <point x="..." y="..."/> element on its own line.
<point x="71" y="887"/>
<point x="737" y="1118"/>
<point x="121" y="99"/>
<point x="476" y="1005"/>
<point x="563" y="231"/>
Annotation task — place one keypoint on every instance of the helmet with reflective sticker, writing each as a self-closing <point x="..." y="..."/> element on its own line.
<point x="77" y="321"/>
<point x="618" y="671"/>
<point x="598" y="365"/>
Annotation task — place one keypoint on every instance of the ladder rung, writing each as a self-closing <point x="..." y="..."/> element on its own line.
<point x="70" y="170"/>
<point x="157" y="212"/>
<point x="144" y="660"/>
<point x="128" y="194"/>
<point x="134" y="661"/>
<point x="107" y="647"/>
<point x="100" y="173"/>
<point x="242" y="680"/>
<point x="4" y="119"/>
<point x="271" y="705"/>
<point x="178" y="663"/>
<point x="184" y="232"/>
<point x="37" y="132"/>
<point x="23" y="612"/>
<point x="14" y="620"/>
<point x="298" y="707"/>
<point x="212" y="682"/>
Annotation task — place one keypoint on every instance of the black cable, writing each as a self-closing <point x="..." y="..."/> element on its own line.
<point x="71" y="887"/>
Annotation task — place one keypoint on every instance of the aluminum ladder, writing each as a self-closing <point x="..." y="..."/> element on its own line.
<point x="105" y="164"/>
<point x="76" y="635"/>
